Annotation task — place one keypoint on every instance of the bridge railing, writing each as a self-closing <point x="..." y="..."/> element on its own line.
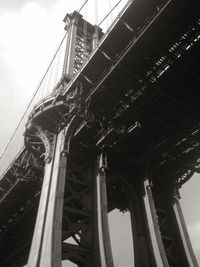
<point x="103" y="17"/>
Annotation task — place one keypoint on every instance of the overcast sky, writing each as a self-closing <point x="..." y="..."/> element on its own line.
<point x="30" y="31"/>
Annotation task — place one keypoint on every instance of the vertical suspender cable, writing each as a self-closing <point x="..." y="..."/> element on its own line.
<point x="96" y="19"/>
<point x="57" y="66"/>
<point x="110" y="8"/>
<point x="96" y="12"/>
<point x="49" y="78"/>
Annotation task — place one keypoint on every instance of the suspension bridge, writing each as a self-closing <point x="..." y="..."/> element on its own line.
<point x="113" y="124"/>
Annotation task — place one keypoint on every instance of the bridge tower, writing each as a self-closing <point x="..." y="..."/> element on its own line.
<point x="83" y="182"/>
<point x="82" y="214"/>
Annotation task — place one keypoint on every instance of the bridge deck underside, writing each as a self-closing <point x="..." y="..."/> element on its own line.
<point x="150" y="76"/>
<point x="155" y="82"/>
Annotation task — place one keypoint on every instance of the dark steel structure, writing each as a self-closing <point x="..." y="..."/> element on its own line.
<point x="119" y="131"/>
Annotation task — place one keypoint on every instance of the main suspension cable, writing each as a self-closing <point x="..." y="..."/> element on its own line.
<point x="109" y="12"/>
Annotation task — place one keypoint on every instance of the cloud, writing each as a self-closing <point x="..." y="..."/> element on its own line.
<point x="28" y="39"/>
<point x="16" y="5"/>
<point x="11" y="4"/>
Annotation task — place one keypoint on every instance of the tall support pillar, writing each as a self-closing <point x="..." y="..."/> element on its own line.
<point x="172" y="226"/>
<point x="159" y="254"/>
<point x="148" y="246"/>
<point x="184" y="234"/>
<point x="46" y="243"/>
<point x="103" y="238"/>
<point x="82" y="39"/>
<point x="87" y="240"/>
<point x="140" y="248"/>
<point x="71" y="28"/>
